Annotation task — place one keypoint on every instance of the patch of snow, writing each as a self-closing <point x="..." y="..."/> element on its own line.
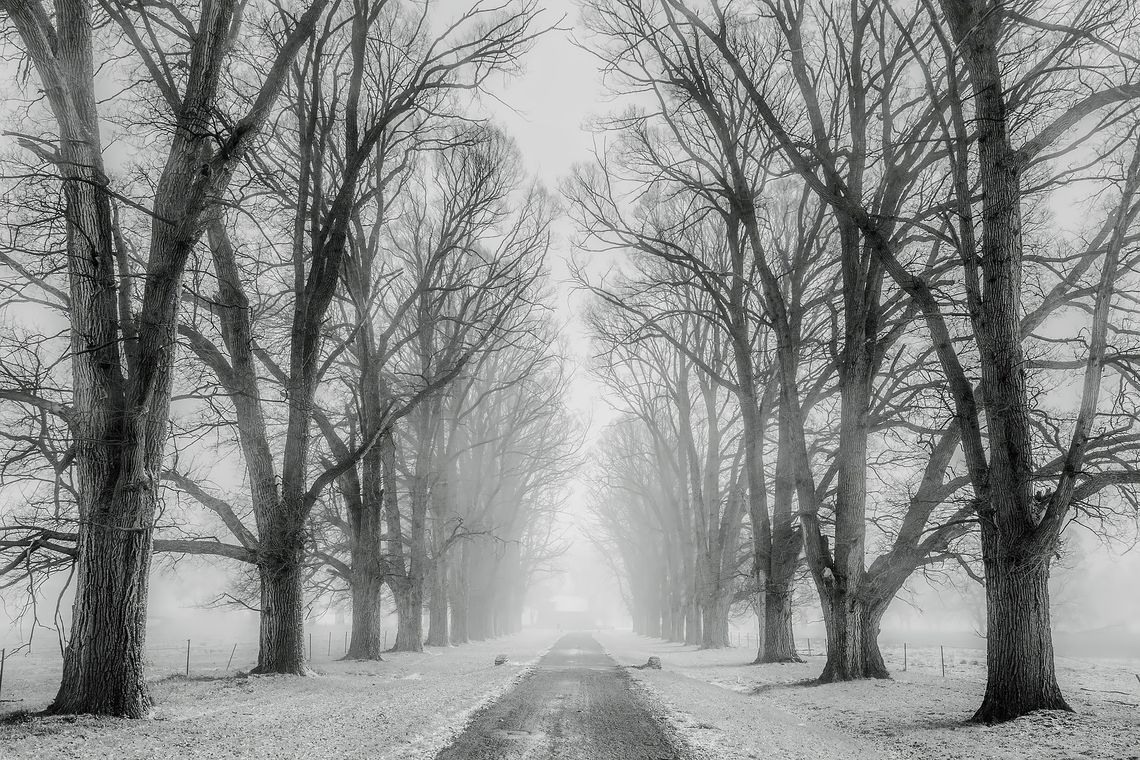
<point x="404" y="708"/>
<point x="728" y="709"/>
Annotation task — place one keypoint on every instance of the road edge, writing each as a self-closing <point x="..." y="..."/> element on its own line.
<point x="430" y="746"/>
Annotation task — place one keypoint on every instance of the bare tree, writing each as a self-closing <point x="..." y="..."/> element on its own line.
<point x="1005" y="103"/>
<point x="340" y="150"/>
<point x="122" y="348"/>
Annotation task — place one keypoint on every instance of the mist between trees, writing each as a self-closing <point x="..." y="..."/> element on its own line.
<point x="861" y="281"/>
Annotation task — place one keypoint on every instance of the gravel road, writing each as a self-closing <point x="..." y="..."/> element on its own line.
<point x="576" y="704"/>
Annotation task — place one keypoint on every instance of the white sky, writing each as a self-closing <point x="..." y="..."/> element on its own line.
<point x="547" y="110"/>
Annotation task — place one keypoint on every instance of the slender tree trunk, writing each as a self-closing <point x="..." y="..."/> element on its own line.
<point x="103" y="663"/>
<point x="778" y="643"/>
<point x="282" y="636"/>
<point x="693" y="622"/>
<point x="757" y="495"/>
<point x="677" y="633"/>
<point x="655" y="614"/>
<point x="366" y="537"/>
<point x="518" y="600"/>
<point x="439" y="630"/>
<point x="460" y="593"/>
<point x="692" y="596"/>
<point x="410" y="591"/>
<point x="479" y="610"/>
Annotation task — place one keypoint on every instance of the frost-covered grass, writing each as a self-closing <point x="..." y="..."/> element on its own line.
<point x="406" y="707"/>
<point x="727" y="709"/>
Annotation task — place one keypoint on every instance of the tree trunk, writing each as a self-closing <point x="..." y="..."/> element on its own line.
<point x="693" y="622"/>
<point x="103" y="663"/>
<point x="367" y="640"/>
<point x="714" y="631"/>
<point x="460" y="630"/>
<point x="479" y="620"/>
<point x="409" y="618"/>
<point x="852" y="639"/>
<point x="677" y="630"/>
<point x="282" y="635"/>
<point x="779" y="644"/>
<point x="655" y="614"/>
<point x="1020" y="672"/>
<point x="1019" y="657"/>
<point x="439" y="632"/>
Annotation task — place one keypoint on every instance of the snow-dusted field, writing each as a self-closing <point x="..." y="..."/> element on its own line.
<point x="406" y="707"/>
<point x="726" y="709"/>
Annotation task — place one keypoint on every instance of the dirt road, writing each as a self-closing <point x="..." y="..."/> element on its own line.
<point x="577" y="704"/>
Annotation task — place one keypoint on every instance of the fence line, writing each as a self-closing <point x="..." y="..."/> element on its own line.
<point x="185" y="659"/>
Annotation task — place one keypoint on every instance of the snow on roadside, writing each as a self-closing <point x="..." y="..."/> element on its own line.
<point x="405" y="708"/>
<point x="428" y="745"/>
<point x="731" y="710"/>
<point x="719" y="723"/>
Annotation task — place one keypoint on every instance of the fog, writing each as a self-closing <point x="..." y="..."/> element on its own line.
<point x="673" y="355"/>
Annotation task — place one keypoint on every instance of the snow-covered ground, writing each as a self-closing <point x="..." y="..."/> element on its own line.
<point x="405" y="708"/>
<point x="726" y="709"/>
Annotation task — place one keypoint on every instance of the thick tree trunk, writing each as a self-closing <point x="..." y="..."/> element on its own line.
<point x="103" y="663"/>
<point x="852" y="639"/>
<point x="1021" y="676"/>
<point x="1019" y="660"/>
<point x="714" y="631"/>
<point x="282" y="634"/>
<point x="409" y="618"/>
<point x="367" y="639"/>
<point x="779" y="644"/>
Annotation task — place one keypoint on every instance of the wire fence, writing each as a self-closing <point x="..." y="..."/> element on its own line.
<point x="904" y="657"/>
<point x="31" y="673"/>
